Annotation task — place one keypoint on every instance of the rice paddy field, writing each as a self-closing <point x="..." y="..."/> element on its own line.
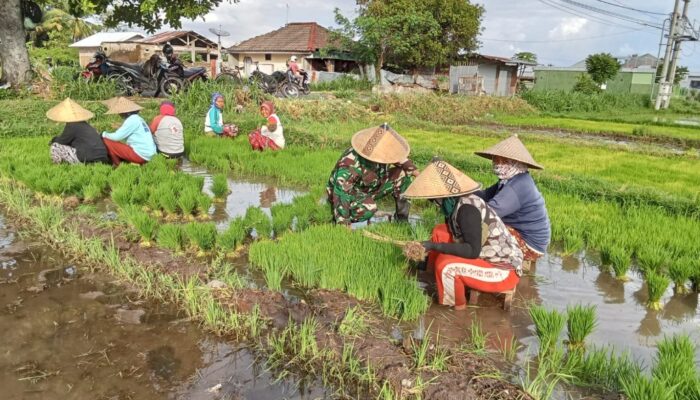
<point x="242" y="242"/>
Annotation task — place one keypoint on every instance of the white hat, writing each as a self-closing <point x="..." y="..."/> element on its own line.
<point x="293" y="58"/>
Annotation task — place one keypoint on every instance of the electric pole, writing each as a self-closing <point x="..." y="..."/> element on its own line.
<point x="676" y="51"/>
<point x="664" y="86"/>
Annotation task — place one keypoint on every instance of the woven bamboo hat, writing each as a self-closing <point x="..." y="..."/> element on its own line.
<point x="439" y="179"/>
<point x="381" y="145"/>
<point x="121" y="105"/>
<point x="68" y="111"/>
<point x="511" y="148"/>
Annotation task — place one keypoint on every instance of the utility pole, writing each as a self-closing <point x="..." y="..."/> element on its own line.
<point x="664" y="86"/>
<point x="676" y="53"/>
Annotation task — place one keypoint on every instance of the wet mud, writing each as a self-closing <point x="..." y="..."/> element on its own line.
<point x="75" y="334"/>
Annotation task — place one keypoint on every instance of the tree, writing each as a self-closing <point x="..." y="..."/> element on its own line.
<point x="526" y="56"/>
<point x="586" y="85"/>
<point x="409" y="33"/>
<point x="149" y="14"/>
<point x="601" y="67"/>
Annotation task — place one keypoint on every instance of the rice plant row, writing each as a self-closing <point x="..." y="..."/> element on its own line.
<point x="333" y="257"/>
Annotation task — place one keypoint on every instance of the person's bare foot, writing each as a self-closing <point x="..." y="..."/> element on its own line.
<point x="461" y="307"/>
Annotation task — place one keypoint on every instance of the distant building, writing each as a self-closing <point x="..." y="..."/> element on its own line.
<point x="137" y="50"/>
<point x="91" y="44"/>
<point x="486" y="75"/>
<point x="627" y="80"/>
<point x="691" y="81"/>
<point x="306" y="40"/>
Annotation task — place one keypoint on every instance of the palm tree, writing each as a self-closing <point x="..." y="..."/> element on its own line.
<point x="57" y="20"/>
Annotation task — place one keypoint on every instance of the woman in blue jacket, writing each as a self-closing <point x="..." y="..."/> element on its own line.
<point x="139" y="146"/>
<point x="515" y="197"/>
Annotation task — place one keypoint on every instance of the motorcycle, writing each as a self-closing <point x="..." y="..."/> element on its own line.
<point x="266" y="83"/>
<point x="178" y="77"/>
<point x="147" y="79"/>
<point x="303" y="83"/>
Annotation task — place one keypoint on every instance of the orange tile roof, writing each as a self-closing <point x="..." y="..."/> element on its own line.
<point x="293" y="37"/>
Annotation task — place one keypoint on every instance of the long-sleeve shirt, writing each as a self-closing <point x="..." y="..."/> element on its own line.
<point x="214" y="121"/>
<point x="469" y="221"/>
<point x="85" y="140"/>
<point x="137" y="135"/>
<point x="520" y="205"/>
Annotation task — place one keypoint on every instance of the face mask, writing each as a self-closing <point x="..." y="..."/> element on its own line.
<point x="508" y="169"/>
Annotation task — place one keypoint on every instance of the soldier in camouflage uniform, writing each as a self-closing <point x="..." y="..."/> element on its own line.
<point x="375" y="166"/>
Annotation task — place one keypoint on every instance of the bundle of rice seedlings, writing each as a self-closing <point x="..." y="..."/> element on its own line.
<point x="282" y="218"/>
<point x="121" y="196"/>
<point x="202" y="236"/>
<point x="580" y="323"/>
<point x="695" y="276"/>
<point x="257" y="220"/>
<point x="548" y="326"/>
<point x="656" y="286"/>
<point x="620" y="260"/>
<point x="639" y="387"/>
<point x="274" y="276"/>
<point x="651" y="257"/>
<point x="220" y="186"/>
<point x="187" y="203"/>
<point x="171" y="237"/>
<point x="573" y="242"/>
<point x="153" y="204"/>
<point x="680" y="272"/>
<point x="232" y="238"/>
<point x="145" y="225"/>
<point x="203" y="205"/>
<point x="91" y="193"/>
<point x="675" y="365"/>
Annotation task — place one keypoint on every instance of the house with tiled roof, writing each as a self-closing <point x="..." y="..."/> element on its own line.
<point x="306" y="40"/>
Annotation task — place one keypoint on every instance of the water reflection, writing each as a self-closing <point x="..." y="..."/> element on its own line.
<point x="612" y="289"/>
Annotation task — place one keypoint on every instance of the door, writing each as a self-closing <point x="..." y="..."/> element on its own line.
<point x="248" y="65"/>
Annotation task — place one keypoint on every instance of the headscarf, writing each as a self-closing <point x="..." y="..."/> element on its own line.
<point x="215" y="96"/>
<point x="508" y="168"/>
<point x="268" y="106"/>
<point x="167" y="108"/>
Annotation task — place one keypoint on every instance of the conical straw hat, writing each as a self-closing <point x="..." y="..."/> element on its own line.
<point x="511" y="148"/>
<point x="121" y="105"/>
<point x="381" y="145"/>
<point x="439" y="179"/>
<point x="68" y="111"/>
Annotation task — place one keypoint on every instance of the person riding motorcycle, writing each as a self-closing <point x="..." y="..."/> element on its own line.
<point x="174" y="63"/>
<point x="294" y="69"/>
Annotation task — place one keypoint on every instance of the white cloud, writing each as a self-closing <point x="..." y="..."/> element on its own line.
<point x="568" y="28"/>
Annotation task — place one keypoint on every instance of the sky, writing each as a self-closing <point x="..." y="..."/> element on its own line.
<point x="559" y="36"/>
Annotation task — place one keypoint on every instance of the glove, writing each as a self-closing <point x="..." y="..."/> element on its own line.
<point x="428" y="245"/>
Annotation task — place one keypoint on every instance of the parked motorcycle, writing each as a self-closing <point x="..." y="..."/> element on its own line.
<point x="178" y="77"/>
<point x="266" y="83"/>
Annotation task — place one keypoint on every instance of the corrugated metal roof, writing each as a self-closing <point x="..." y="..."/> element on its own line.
<point x="295" y="37"/>
<point x="165" y="37"/>
<point x="97" y="39"/>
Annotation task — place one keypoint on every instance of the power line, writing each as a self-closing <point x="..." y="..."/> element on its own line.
<point x="562" y="40"/>
<point x="631" y="8"/>
<point x="611" y="14"/>
<point x="581" y="14"/>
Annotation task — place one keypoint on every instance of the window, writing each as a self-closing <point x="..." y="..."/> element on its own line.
<point x="268" y="57"/>
<point x="695" y="84"/>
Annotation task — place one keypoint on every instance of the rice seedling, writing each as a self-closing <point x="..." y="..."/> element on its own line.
<point x="92" y="192"/>
<point x="695" y="276"/>
<point x="121" y="196"/>
<point x="47" y="217"/>
<point x="257" y="220"/>
<point x="680" y="272"/>
<point x="548" y="376"/>
<point x="220" y="186"/>
<point x="639" y="387"/>
<point x="167" y="200"/>
<point x="420" y="349"/>
<point x="581" y="321"/>
<point x="675" y="366"/>
<point x="573" y="242"/>
<point x="171" y="237"/>
<point x="353" y="323"/>
<point x="509" y="348"/>
<point x="651" y="258"/>
<point x="282" y="218"/>
<point x="232" y="238"/>
<point x="440" y="359"/>
<point x="203" y="205"/>
<point x="202" y="237"/>
<point x="273" y="277"/>
<point x="226" y="272"/>
<point x="367" y="270"/>
<point x="620" y="260"/>
<point x="145" y="225"/>
<point x="187" y="203"/>
<point x="548" y="326"/>
<point x="656" y="286"/>
<point x="477" y="338"/>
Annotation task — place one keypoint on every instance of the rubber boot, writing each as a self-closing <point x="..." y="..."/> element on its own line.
<point x="403" y="206"/>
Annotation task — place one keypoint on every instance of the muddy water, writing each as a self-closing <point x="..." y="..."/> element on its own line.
<point x="244" y="193"/>
<point x="624" y="322"/>
<point x="70" y="333"/>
